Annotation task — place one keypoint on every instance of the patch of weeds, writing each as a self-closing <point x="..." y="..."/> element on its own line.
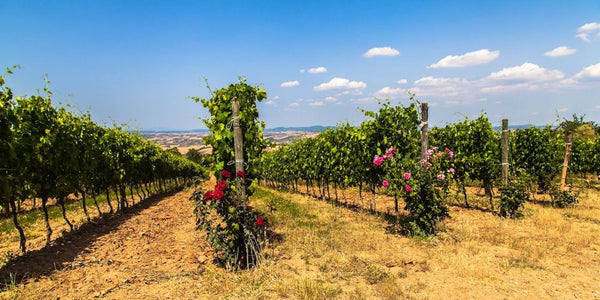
<point x="566" y="198"/>
<point x="307" y="288"/>
<point x="523" y="263"/>
<point x="374" y="274"/>
<point x="582" y="218"/>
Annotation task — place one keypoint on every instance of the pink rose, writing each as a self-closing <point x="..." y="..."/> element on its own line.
<point x="441" y="176"/>
<point x="385" y="183"/>
<point x="406" y="176"/>
<point x="451" y="171"/>
<point x="377" y="161"/>
<point x="407" y="188"/>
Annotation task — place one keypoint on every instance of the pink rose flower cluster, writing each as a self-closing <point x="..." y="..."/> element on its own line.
<point x="378" y="160"/>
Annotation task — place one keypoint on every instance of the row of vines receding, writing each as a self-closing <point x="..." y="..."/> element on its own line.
<point x="48" y="152"/>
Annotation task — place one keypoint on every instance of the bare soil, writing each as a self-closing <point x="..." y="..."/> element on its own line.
<point x="129" y="255"/>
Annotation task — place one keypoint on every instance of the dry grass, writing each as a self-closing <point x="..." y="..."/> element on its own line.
<point x="332" y="252"/>
<point x="322" y="251"/>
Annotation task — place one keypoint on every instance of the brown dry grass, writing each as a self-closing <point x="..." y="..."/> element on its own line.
<point x="319" y="250"/>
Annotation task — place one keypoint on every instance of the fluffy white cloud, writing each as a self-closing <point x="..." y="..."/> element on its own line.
<point x="563" y="109"/>
<point x="290" y="83"/>
<point x="317" y="70"/>
<point x="468" y="59"/>
<point x="585" y="30"/>
<point x="302" y="70"/>
<point x="270" y="102"/>
<point x="592" y="71"/>
<point x="402" y="81"/>
<point x="294" y="104"/>
<point x="316" y="103"/>
<point x="526" y="72"/>
<point x="560" y="51"/>
<point x="381" y="51"/>
<point x="443" y="87"/>
<point x="340" y="83"/>
<point x="330" y="98"/>
<point x="588" y="73"/>
<point x="388" y="92"/>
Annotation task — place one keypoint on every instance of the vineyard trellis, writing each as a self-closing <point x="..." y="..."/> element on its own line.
<point x="49" y="152"/>
<point x="342" y="157"/>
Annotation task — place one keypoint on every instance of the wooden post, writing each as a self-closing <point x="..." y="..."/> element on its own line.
<point x="238" y="146"/>
<point x="424" y="136"/>
<point x="563" y="177"/>
<point x="505" y="151"/>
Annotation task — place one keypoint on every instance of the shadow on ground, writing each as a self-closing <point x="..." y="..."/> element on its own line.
<point x="65" y="249"/>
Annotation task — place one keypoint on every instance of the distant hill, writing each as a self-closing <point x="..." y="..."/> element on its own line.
<point x="316" y="128"/>
<point x="519" y="126"/>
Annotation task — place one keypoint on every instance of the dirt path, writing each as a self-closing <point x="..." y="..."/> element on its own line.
<point x="131" y="256"/>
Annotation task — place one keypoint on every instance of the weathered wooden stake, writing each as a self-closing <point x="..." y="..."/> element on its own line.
<point x="424" y="136"/>
<point x="563" y="177"/>
<point x="238" y="147"/>
<point x="505" y="151"/>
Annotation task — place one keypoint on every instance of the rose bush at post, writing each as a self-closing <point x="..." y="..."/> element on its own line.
<point x="234" y="233"/>
<point x="423" y="187"/>
<point x="234" y="230"/>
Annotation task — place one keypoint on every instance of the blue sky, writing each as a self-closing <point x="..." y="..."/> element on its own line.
<point x="138" y="61"/>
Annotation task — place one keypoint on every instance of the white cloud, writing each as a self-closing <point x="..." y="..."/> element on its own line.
<point x="316" y="103"/>
<point x="330" y="98"/>
<point x="508" y="88"/>
<point x="560" y="51"/>
<point x="585" y="30"/>
<point x="276" y="98"/>
<point x="468" y="59"/>
<point x="563" y="109"/>
<point x="340" y="83"/>
<point x="592" y="71"/>
<point x="388" y="92"/>
<point x="290" y="83"/>
<point x="443" y="87"/>
<point x="432" y="81"/>
<point x="317" y="70"/>
<point x="402" y="81"/>
<point x="270" y="102"/>
<point x="349" y="92"/>
<point x="381" y="51"/>
<point x="588" y="73"/>
<point x="526" y="72"/>
<point x="294" y="104"/>
<point x="302" y="70"/>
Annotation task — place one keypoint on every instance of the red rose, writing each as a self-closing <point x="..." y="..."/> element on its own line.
<point x="241" y="174"/>
<point x="259" y="221"/>
<point x="225" y="174"/>
<point x="217" y="194"/>
<point x="208" y="195"/>
<point x="221" y="185"/>
<point x="407" y="188"/>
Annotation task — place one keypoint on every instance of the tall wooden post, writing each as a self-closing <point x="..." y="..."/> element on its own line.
<point x="563" y="177"/>
<point x="505" y="151"/>
<point x="424" y="136"/>
<point x="238" y="147"/>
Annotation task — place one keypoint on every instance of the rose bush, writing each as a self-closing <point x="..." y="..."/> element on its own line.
<point x="423" y="186"/>
<point x="235" y="233"/>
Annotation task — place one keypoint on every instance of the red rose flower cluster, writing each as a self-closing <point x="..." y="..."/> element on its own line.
<point x="225" y="174"/>
<point x="218" y="194"/>
<point x="260" y="221"/>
